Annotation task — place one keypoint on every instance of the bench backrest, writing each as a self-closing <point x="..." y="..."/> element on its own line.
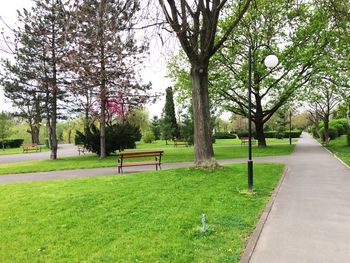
<point x="30" y="145"/>
<point x="140" y="154"/>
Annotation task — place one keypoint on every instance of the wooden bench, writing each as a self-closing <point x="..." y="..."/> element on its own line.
<point x="31" y="147"/>
<point x="82" y="149"/>
<point x="128" y="155"/>
<point x="245" y="140"/>
<point x="180" y="142"/>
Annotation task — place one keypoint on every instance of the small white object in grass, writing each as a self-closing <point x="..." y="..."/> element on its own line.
<point x="204" y="228"/>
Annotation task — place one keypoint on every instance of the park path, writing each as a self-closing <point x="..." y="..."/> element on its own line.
<point x="310" y="218"/>
<point x="64" y="150"/>
<point x="109" y="171"/>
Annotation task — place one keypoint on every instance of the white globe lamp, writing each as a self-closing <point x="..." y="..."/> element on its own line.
<point x="271" y="61"/>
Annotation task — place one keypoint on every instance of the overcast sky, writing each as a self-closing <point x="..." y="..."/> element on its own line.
<point x="154" y="70"/>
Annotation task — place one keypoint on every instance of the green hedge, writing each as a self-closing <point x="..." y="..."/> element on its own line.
<point x="274" y="134"/>
<point x="224" y="135"/>
<point x="12" y="143"/>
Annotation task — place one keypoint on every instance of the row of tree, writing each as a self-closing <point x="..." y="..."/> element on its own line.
<point x="75" y="56"/>
<point x="308" y="37"/>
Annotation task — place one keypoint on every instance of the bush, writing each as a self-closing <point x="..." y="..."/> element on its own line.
<point x="274" y="134"/>
<point x="332" y="133"/>
<point x="224" y="135"/>
<point x="348" y="137"/>
<point x="339" y="128"/>
<point x="11" y="143"/>
<point x="47" y="143"/>
<point x="245" y="134"/>
<point x="118" y="137"/>
<point x="148" y="137"/>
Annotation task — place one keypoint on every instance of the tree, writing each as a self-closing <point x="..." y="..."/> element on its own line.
<point x="166" y="130"/>
<point x="196" y="27"/>
<point x="155" y="127"/>
<point x="169" y="113"/>
<point x="5" y="127"/>
<point x="103" y="56"/>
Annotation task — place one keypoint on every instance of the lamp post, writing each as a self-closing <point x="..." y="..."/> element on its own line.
<point x="290" y="127"/>
<point x="270" y="61"/>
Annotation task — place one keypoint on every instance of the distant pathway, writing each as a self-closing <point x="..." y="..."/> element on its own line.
<point x="64" y="150"/>
<point x="310" y="218"/>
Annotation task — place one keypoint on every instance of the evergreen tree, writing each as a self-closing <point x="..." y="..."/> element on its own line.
<point x="155" y="127"/>
<point x="169" y="113"/>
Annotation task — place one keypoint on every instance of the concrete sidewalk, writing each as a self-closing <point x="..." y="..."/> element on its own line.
<point x="310" y="218"/>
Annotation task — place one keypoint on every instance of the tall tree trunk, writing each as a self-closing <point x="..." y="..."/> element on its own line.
<point x="53" y="123"/>
<point x="259" y="123"/>
<point x="325" y="138"/>
<point x="203" y="147"/>
<point x="34" y="131"/>
<point x="259" y="128"/>
<point x="103" y="90"/>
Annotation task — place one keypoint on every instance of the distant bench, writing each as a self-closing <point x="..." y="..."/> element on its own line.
<point x="82" y="149"/>
<point x="128" y="155"/>
<point x="180" y="142"/>
<point x="245" y="140"/>
<point x="31" y="147"/>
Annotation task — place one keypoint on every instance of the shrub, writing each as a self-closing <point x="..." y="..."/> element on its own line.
<point x="148" y="137"/>
<point x="348" y="137"/>
<point x="245" y="134"/>
<point x="280" y="135"/>
<point x="47" y="143"/>
<point x="332" y="133"/>
<point x="339" y="128"/>
<point x="224" y="135"/>
<point x="274" y="134"/>
<point x="118" y="137"/>
<point x="11" y="143"/>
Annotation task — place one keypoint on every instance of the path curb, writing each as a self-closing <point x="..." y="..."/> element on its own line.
<point x="254" y="237"/>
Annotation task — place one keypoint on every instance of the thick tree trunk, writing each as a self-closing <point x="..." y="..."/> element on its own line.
<point x="103" y="127"/>
<point x="260" y="136"/>
<point x="203" y="147"/>
<point x="34" y="131"/>
<point x="259" y="122"/>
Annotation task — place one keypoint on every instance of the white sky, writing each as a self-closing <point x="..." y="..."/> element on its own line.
<point x="154" y="70"/>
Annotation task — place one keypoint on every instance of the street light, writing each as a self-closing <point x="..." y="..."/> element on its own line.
<point x="290" y="127"/>
<point x="270" y="61"/>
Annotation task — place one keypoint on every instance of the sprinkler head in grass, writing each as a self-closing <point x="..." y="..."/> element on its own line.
<point x="204" y="227"/>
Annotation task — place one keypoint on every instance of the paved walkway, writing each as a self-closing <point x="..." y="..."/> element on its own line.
<point x="310" y="219"/>
<point x="64" y="150"/>
<point x="66" y="174"/>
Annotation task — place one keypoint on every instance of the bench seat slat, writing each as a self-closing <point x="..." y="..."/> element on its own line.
<point x="140" y="163"/>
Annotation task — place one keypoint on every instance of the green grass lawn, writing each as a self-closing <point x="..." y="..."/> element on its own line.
<point x="180" y="154"/>
<point x="340" y="148"/>
<point x="20" y="150"/>
<point x="148" y="217"/>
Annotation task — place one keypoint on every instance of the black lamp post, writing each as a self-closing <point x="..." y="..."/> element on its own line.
<point x="270" y="61"/>
<point x="290" y="128"/>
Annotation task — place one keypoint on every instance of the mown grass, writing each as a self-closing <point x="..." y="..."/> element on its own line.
<point x="180" y="154"/>
<point x="148" y="217"/>
<point x="340" y="148"/>
<point x="19" y="150"/>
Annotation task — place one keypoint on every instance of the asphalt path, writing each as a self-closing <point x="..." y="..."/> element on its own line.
<point x="64" y="150"/>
